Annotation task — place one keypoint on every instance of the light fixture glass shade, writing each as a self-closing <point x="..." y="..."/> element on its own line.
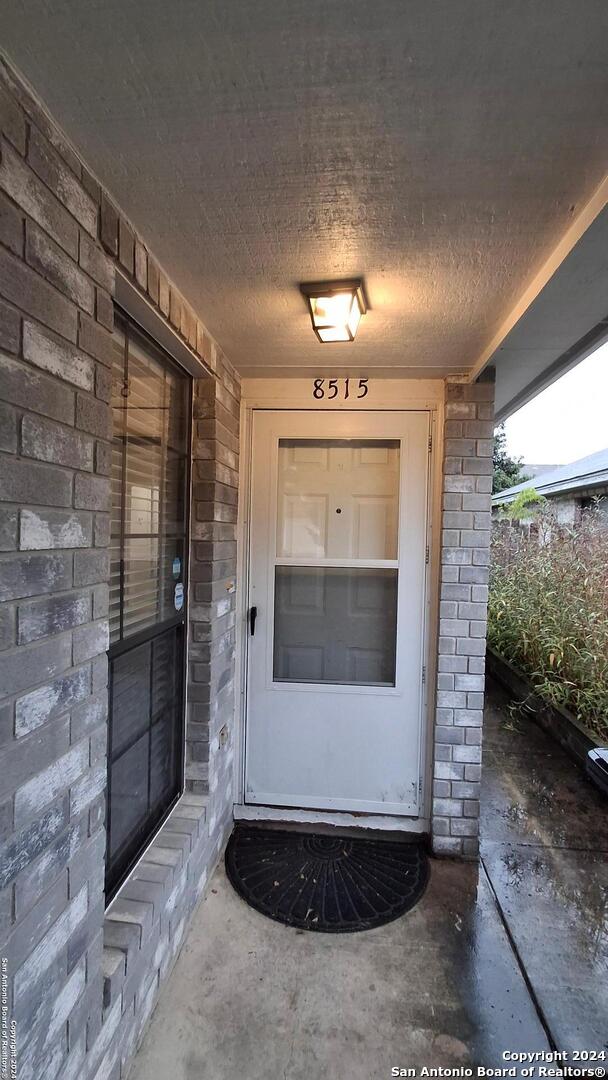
<point x="335" y="309"/>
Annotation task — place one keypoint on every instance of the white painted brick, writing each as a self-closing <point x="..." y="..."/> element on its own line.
<point x="455" y="556"/>
<point x="469" y="682"/>
<point x="86" y="790"/>
<point x="449" y="699"/>
<point x="456" y="592"/>
<point x="452" y="500"/>
<point x="448" y="734"/>
<point x="448" y="807"/>
<point x="471" y="646"/>
<point x="448" y="609"/>
<point x="485" y="447"/>
<point x="477" y="664"/>
<point x="472" y="538"/>
<point x="441" y="788"/>
<point x="464" y="826"/>
<point x="43" y="529"/>
<point x="483" y="484"/>
<point x="465" y="789"/>
<point x="447" y="845"/>
<point x="447" y="645"/>
<point x="453" y="663"/>
<point x="458" y="519"/>
<point x="449" y="573"/>
<point x="51" y="945"/>
<point x="106" y="1034"/>
<point x="460" y="410"/>
<point x="45" y="702"/>
<point x="454" y="628"/>
<point x="468" y="717"/>
<point x="441" y="827"/>
<point x="91" y="640"/>
<point x="481" y="556"/>
<point x="476" y="502"/>
<point x="57" y="357"/>
<point x="479" y="593"/>
<point x="464" y="484"/>
<point x="72" y="1069"/>
<point x="450" y="538"/>
<point x="475" y="700"/>
<point x="472" y="611"/>
<point x="38" y="792"/>
<point x="66" y="999"/>
<point x="482" y="520"/>
<point x="449" y="770"/>
<point x="467" y="754"/>
<point x="473" y="736"/>
<point x="474" y="574"/>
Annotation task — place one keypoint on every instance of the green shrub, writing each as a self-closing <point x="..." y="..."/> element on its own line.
<point x="548" y="611"/>
<point x="526" y="506"/>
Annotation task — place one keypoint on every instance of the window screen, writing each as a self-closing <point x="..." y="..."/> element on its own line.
<point x="151" y="408"/>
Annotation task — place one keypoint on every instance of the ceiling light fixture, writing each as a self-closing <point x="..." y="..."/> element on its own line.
<point x="335" y="308"/>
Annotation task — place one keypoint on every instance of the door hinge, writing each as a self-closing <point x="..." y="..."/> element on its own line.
<point x="426" y="554"/>
<point x="430" y="443"/>
<point x="423" y="676"/>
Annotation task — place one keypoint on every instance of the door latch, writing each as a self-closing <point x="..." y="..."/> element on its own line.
<point x="253" y="614"/>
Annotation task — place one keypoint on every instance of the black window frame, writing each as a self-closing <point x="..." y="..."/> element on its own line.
<point x="118" y="869"/>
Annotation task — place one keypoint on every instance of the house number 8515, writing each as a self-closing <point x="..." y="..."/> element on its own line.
<point x="334" y="386"/>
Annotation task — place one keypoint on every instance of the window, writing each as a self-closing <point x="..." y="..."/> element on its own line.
<point x="148" y="551"/>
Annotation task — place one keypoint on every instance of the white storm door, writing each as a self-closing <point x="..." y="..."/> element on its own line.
<point x="336" y="610"/>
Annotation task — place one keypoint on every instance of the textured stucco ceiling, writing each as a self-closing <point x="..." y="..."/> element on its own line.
<point x="440" y="149"/>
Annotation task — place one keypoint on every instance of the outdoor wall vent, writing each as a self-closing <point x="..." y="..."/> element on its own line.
<point x="335" y="308"/>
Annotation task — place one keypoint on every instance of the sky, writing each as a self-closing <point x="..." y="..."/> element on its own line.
<point x="568" y="420"/>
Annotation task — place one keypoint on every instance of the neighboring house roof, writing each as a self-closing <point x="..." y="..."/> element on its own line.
<point x="537" y="470"/>
<point x="587" y="472"/>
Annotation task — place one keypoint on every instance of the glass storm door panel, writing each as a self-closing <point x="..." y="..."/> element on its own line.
<point x="335" y="625"/>
<point x="337" y="568"/>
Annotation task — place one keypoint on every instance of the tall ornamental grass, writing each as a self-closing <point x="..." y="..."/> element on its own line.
<point x="548" y="612"/>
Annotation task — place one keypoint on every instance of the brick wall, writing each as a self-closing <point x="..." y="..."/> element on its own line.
<point x="215" y="464"/>
<point x="465" y="556"/>
<point x="80" y="1007"/>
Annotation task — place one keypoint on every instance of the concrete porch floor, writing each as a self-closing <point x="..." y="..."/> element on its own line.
<point x="512" y="954"/>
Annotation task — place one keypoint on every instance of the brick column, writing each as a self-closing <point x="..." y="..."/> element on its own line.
<point x="465" y="551"/>
<point x="209" y="735"/>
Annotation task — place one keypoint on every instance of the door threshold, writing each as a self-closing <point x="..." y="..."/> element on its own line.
<point x="342" y="819"/>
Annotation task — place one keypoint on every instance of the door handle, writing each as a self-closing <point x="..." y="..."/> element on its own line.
<point x="253" y="614"/>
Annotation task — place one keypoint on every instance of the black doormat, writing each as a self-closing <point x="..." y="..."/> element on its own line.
<point x="333" y="884"/>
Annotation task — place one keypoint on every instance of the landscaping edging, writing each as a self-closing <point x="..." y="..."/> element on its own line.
<point x="575" y="739"/>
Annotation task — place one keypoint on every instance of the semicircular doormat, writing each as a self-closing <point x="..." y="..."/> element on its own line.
<point x="333" y="884"/>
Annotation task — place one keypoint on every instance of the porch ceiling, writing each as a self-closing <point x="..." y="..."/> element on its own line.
<point x="441" y="150"/>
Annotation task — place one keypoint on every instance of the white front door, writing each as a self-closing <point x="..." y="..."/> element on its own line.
<point x="336" y="610"/>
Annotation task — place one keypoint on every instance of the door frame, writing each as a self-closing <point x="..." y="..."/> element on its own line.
<point x="390" y="395"/>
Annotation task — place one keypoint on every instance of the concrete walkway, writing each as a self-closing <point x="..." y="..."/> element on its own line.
<point x="545" y="849"/>
<point x="510" y="955"/>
